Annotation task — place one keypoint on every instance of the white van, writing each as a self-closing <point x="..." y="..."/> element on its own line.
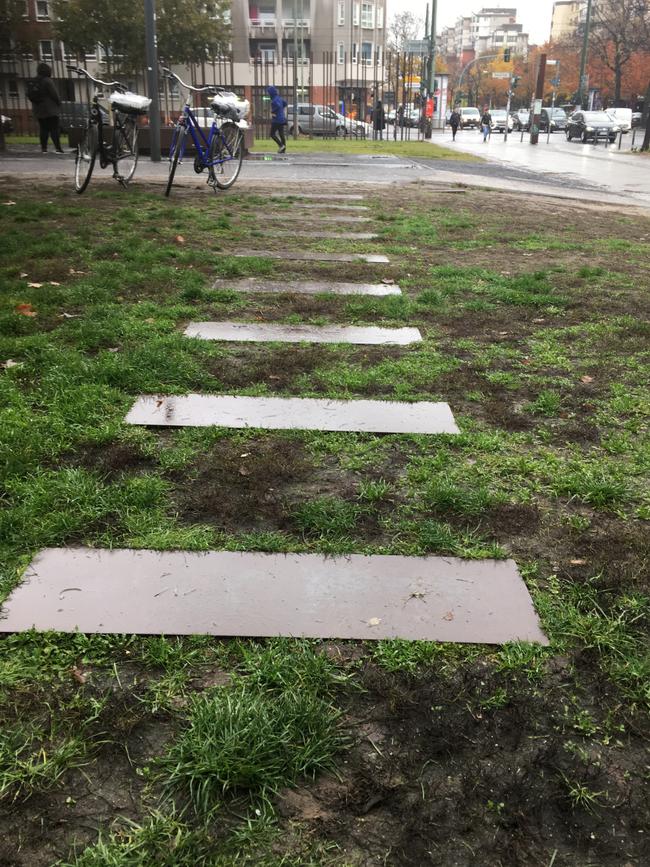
<point x="622" y="116"/>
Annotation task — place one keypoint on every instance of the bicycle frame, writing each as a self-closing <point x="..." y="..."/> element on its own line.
<point x="200" y="140"/>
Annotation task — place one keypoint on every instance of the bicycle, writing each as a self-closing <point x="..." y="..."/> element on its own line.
<point x="221" y="153"/>
<point x="122" y="152"/>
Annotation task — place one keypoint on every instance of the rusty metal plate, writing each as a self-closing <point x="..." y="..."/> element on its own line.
<point x="292" y="413"/>
<point x="307" y="287"/>
<point x="313" y="256"/>
<point x="254" y="332"/>
<point x="251" y="594"/>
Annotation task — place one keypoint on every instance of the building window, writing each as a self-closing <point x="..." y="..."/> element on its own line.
<point x="13" y="88"/>
<point x="340" y="52"/>
<point x="45" y="49"/>
<point x="366" y="53"/>
<point x="26" y="9"/>
<point x="42" y="10"/>
<point x="368" y="16"/>
<point x="266" y="52"/>
<point x="355" y="19"/>
<point x="65" y="54"/>
<point x="379" y="55"/>
<point x="341" y="13"/>
<point x="91" y="54"/>
<point x="380" y="17"/>
<point x="355" y="53"/>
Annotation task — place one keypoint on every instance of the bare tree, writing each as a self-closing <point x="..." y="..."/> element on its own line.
<point x="405" y="26"/>
<point x="617" y="33"/>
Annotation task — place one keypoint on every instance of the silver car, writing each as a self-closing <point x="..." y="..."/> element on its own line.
<point x="317" y="120"/>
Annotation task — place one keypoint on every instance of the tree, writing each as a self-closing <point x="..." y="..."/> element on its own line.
<point x="189" y="31"/>
<point x="404" y="27"/>
<point x="617" y="33"/>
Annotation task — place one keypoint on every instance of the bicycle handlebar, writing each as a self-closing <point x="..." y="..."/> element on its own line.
<point x="81" y="71"/>
<point x="212" y="88"/>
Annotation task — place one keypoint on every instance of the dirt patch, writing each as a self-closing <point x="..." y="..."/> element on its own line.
<point x="108" y="459"/>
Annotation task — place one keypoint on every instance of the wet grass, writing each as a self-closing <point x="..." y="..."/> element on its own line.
<point x="538" y="340"/>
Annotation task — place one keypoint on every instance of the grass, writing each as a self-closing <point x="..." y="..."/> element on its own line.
<point x="405" y="149"/>
<point x="545" y="365"/>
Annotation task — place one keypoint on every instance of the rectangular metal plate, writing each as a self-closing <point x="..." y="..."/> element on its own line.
<point x="321" y="207"/>
<point x="313" y="256"/>
<point x="309" y="287"/>
<point x="251" y="594"/>
<point x="321" y="218"/>
<point x="351" y="197"/>
<point x="292" y="413"/>
<point x="252" y="332"/>
<point x="336" y="236"/>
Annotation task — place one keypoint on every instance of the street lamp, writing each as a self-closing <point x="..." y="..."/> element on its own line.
<point x="583" y="58"/>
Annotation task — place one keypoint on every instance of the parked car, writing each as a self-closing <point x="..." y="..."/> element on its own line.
<point x="470" y="116"/>
<point x="354" y="127"/>
<point x="521" y="119"/>
<point x="499" y="119"/>
<point x="555" y="118"/>
<point x="316" y="120"/>
<point x="7" y="123"/>
<point x="622" y="116"/>
<point x="591" y="125"/>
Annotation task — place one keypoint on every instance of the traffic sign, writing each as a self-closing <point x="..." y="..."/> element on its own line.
<point x="417" y="46"/>
<point x="500" y="75"/>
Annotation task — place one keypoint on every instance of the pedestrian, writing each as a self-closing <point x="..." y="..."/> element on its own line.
<point x="46" y="106"/>
<point x="486" y="123"/>
<point x="278" y="118"/>
<point x="379" y="120"/>
<point x="454" y="123"/>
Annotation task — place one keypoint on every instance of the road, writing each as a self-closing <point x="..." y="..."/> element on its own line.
<point x="621" y="174"/>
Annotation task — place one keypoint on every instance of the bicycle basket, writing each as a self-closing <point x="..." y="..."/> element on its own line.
<point x="230" y="105"/>
<point x="129" y="102"/>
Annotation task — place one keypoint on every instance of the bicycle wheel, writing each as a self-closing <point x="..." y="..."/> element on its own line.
<point x="125" y="144"/>
<point x="85" y="159"/>
<point x="227" y="152"/>
<point x="174" y="155"/>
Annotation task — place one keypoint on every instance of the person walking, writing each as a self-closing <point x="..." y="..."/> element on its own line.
<point x="46" y="107"/>
<point x="278" y="118"/>
<point x="454" y="123"/>
<point x="379" y="120"/>
<point x="486" y="123"/>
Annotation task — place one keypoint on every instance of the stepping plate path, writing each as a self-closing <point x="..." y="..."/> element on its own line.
<point x="313" y="256"/>
<point x="351" y="197"/>
<point x="337" y="236"/>
<point x="253" y="332"/>
<point x="308" y="287"/>
<point x="251" y="594"/>
<point x="292" y="413"/>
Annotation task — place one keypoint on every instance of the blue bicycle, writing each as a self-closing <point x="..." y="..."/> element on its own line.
<point x="222" y="151"/>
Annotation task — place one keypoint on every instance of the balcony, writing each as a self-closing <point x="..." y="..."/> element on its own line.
<point x="262" y="28"/>
<point x="303" y="26"/>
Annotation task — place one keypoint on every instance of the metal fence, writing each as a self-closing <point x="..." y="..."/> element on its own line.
<point x="347" y="85"/>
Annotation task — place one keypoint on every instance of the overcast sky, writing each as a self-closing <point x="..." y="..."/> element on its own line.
<point x="535" y="15"/>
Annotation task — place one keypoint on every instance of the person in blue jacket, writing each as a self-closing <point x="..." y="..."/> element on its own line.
<point x="278" y="119"/>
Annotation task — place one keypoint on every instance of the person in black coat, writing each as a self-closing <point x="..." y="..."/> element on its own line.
<point x="454" y="123"/>
<point x="47" y="109"/>
<point x="379" y="120"/>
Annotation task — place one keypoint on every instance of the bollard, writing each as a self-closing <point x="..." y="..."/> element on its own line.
<point x="620" y="139"/>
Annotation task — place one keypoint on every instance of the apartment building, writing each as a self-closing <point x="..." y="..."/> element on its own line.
<point x="566" y="18"/>
<point x="338" y="46"/>
<point x="487" y="31"/>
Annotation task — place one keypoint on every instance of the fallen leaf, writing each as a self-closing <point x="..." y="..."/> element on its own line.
<point x="8" y="203"/>
<point x="245" y="455"/>
<point x="179" y="239"/>
<point x="160" y="402"/>
<point x="24" y="274"/>
<point x="68" y="316"/>
<point x="78" y="674"/>
<point x="54" y="283"/>
<point x="25" y="310"/>
<point x="448" y="616"/>
<point x="150" y="320"/>
<point x="34" y="285"/>
<point x="244" y="472"/>
<point x="374" y="621"/>
<point x="10" y="363"/>
<point x="113" y="349"/>
<point x="586" y="379"/>
<point x="578" y="562"/>
<point x="388" y="281"/>
<point x="539" y="320"/>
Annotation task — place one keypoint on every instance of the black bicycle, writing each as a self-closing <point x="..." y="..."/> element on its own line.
<point x="122" y="152"/>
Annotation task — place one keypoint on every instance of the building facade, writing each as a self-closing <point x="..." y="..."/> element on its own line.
<point x="566" y="18"/>
<point x="488" y="31"/>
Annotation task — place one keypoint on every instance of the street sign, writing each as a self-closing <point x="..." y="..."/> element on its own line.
<point x="500" y="75"/>
<point x="417" y="46"/>
<point x="555" y="82"/>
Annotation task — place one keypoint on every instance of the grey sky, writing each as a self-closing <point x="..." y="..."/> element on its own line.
<point x="535" y="15"/>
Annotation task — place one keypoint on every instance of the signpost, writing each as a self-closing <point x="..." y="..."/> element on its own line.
<point x="417" y="46"/>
